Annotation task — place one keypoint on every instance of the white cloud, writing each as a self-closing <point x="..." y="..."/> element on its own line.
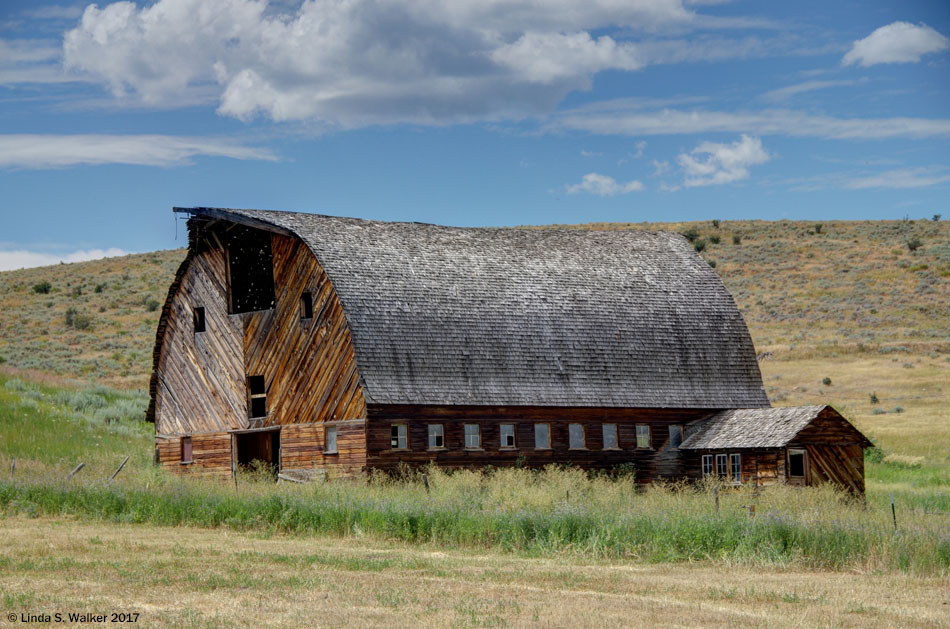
<point x="58" y="151"/>
<point x="366" y="62"/>
<point x="800" y="88"/>
<point x="898" y="42"/>
<point x="713" y="163"/>
<point x="22" y="259"/>
<point x="640" y="146"/>
<point x="902" y="178"/>
<point x="604" y="186"/>
<point x="590" y="153"/>
<point x="626" y="118"/>
<point x="660" y="167"/>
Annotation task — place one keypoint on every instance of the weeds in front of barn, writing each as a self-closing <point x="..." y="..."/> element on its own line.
<point x="557" y="510"/>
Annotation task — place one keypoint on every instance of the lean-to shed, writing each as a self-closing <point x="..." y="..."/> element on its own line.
<point x="327" y="345"/>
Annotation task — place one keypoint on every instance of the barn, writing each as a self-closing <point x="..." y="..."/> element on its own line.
<point x="331" y="346"/>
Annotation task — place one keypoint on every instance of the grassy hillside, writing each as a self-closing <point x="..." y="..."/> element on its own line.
<point x="854" y="313"/>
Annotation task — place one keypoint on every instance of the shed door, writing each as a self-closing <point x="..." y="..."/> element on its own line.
<point x="797" y="466"/>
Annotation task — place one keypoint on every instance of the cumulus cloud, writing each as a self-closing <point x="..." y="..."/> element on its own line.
<point x="628" y="118"/>
<point x="22" y="258"/>
<point x="365" y="62"/>
<point x="38" y="151"/>
<point x="604" y="186"/>
<point x="713" y="163"/>
<point x="898" y="42"/>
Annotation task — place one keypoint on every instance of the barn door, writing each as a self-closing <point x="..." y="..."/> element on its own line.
<point x="797" y="466"/>
<point x="262" y="446"/>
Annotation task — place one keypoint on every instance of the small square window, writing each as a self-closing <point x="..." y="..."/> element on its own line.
<point x="676" y="435"/>
<point x="199" y="319"/>
<point x="256" y="385"/>
<point x="643" y="436"/>
<point x="330" y="441"/>
<point x="575" y="433"/>
<point x="542" y="437"/>
<point x="186" y="450"/>
<point x="259" y="406"/>
<point x="436" y="436"/>
<point x="722" y="465"/>
<point x="707" y="464"/>
<point x="306" y="306"/>
<point x="507" y="432"/>
<point x="610" y="437"/>
<point x="473" y="436"/>
<point x="399" y="441"/>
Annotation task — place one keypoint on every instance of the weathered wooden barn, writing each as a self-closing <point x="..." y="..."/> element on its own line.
<point x="327" y="345"/>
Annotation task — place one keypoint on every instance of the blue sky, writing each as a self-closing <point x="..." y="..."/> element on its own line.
<point x="470" y="112"/>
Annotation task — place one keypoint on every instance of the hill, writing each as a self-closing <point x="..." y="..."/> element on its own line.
<point x="853" y="313"/>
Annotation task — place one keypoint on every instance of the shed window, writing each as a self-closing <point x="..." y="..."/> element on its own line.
<point x="199" y="319"/>
<point x="507" y="435"/>
<point x="575" y="434"/>
<point x="473" y="436"/>
<point x="258" y="391"/>
<point x="796" y="463"/>
<point x="542" y="437"/>
<point x="676" y="435"/>
<point x="707" y="464"/>
<point x="735" y="468"/>
<point x="436" y="436"/>
<point x="722" y="465"/>
<point x="399" y="440"/>
<point x="610" y="437"/>
<point x="330" y="441"/>
<point x="306" y="306"/>
<point x="643" y="436"/>
<point x="250" y="270"/>
<point x="186" y="450"/>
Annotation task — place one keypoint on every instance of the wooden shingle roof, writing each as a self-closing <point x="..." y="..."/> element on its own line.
<point x="761" y="428"/>
<point x="448" y="316"/>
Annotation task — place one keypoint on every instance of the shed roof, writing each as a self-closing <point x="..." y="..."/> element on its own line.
<point x="548" y="317"/>
<point x="758" y="427"/>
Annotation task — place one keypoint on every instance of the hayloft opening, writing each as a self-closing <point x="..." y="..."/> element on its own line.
<point x="306" y="306"/>
<point x="199" y="319"/>
<point x="262" y="447"/>
<point x="258" y="390"/>
<point x="250" y="270"/>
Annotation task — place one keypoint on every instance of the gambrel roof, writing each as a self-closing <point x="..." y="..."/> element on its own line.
<point x="548" y="317"/>
<point x="765" y="428"/>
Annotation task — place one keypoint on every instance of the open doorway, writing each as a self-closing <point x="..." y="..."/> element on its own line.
<point x="255" y="450"/>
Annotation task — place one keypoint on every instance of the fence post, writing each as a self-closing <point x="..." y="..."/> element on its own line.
<point x="12" y="468"/>
<point x="425" y="481"/>
<point x="893" y="511"/>
<point x="716" y="497"/>
<point x="119" y="469"/>
<point x="73" y="473"/>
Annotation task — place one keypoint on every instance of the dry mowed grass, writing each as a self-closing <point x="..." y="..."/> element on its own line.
<point x="185" y="577"/>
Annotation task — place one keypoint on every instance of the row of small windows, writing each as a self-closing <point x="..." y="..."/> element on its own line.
<point x="724" y="466"/>
<point x="577" y="438"/>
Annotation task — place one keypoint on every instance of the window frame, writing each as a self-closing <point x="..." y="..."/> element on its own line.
<point x="616" y="437"/>
<point x="676" y="429"/>
<point x="547" y="436"/>
<point x="477" y="435"/>
<point x="404" y="436"/>
<point x="649" y="437"/>
<point x="306" y="305"/>
<point x="187" y="447"/>
<point x="735" y="467"/>
<point x="438" y="434"/>
<point x="797" y="452"/>
<point x="570" y="437"/>
<point x="502" y="430"/>
<point x="200" y="319"/>
<point x="722" y="465"/>
<point x="708" y="465"/>
<point x="327" y="431"/>
<point x="255" y="397"/>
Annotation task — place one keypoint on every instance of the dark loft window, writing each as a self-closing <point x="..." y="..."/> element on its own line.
<point x="306" y="306"/>
<point x="199" y="319"/>
<point x="186" y="449"/>
<point x="258" y="396"/>
<point x="250" y="270"/>
<point x="796" y="462"/>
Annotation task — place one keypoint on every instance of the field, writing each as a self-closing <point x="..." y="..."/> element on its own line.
<point x="853" y="314"/>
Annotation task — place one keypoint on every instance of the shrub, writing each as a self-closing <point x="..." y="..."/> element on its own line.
<point x="715" y="223"/>
<point x="826" y="381"/>
<point x="878" y="411"/>
<point x="711" y="263"/>
<point x="736" y="239"/>
<point x="77" y="292"/>
<point x="100" y="288"/>
<point x="2" y="360"/>
<point x="78" y="320"/>
<point x="897" y="409"/>
<point x="874" y="454"/>
<point x="818" y="227"/>
<point x="151" y="305"/>
<point x="874" y="399"/>
<point x="714" y="239"/>
<point x="699" y="245"/>
<point x="70" y="316"/>
<point x="914" y="244"/>
<point x="43" y="288"/>
<point x="936" y="217"/>
<point x="691" y="234"/>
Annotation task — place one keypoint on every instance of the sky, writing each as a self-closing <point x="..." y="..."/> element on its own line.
<point x="469" y="112"/>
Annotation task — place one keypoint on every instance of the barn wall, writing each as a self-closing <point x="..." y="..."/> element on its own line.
<point x="835" y="451"/>
<point x="759" y="466"/>
<point x="308" y="364"/>
<point x="302" y="448"/>
<point x="211" y="454"/>
<point x="199" y="383"/>
<point x="658" y="462"/>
